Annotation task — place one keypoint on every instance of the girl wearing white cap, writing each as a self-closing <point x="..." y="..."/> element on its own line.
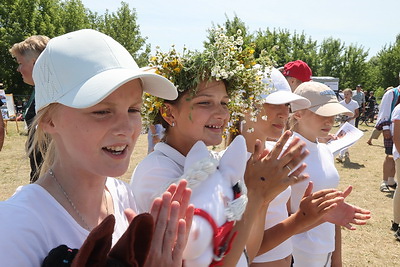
<point x="209" y="84"/>
<point x="276" y="248"/>
<point x="321" y="245"/>
<point x="88" y="101"/>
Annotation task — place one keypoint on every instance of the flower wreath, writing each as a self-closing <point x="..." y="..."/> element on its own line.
<point x="225" y="59"/>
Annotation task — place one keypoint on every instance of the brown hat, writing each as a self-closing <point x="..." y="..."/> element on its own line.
<point x="323" y="100"/>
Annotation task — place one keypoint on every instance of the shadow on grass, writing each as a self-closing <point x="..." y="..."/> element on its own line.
<point x="375" y="145"/>
<point x="389" y="194"/>
<point x="352" y="165"/>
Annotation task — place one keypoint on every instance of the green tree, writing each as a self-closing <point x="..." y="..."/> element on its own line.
<point x="73" y="16"/>
<point x="330" y="58"/>
<point x="123" y="27"/>
<point x="389" y="64"/>
<point x="354" y="67"/>
<point x="276" y="43"/>
<point x="20" y="19"/>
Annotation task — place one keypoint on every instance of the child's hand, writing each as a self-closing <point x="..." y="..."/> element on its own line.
<point x="314" y="206"/>
<point x="172" y="217"/>
<point x="268" y="174"/>
<point x="346" y="214"/>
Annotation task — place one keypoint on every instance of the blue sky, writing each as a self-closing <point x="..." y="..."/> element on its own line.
<point x="367" y="23"/>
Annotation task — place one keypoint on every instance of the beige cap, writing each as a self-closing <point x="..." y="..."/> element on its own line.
<point x="323" y="100"/>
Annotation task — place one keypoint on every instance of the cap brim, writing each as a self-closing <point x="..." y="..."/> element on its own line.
<point x="94" y="90"/>
<point x="331" y="109"/>
<point x="285" y="97"/>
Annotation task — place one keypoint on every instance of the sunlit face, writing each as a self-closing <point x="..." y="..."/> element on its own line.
<point x="202" y="117"/>
<point x="347" y="95"/>
<point x="100" y="139"/>
<point x="313" y="126"/>
<point x="277" y="116"/>
<point x="25" y="67"/>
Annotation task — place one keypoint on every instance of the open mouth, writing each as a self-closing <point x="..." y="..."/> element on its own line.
<point x="213" y="126"/>
<point x="115" y="150"/>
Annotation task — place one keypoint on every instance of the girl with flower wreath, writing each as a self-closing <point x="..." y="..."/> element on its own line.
<point x="212" y="85"/>
<point x="315" y="208"/>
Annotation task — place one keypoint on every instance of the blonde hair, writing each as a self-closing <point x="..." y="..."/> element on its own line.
<point x="42" y="141"/>
<point x="348" y="90"/>
<point x="30" y="47"/>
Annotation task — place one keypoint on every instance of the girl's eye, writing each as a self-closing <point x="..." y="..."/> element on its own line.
<point x="101" y="112"/>
<point x="204" y="103"/>
<point x="134" y="110"/>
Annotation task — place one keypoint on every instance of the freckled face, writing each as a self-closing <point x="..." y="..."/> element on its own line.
<point x="100" y="139"/>
<point x="202" y="117"/>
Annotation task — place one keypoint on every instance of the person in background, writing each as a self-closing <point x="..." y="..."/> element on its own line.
<point x="26" y="54"/>
<point x="396" y="157"/>
<point x="351" y="105"/>
<point x="154" y="135"/>
<point x="370" y="102"/>
<point x="2" y="128"/>
<point x="297" y="72"/>
<point x="359" y="96"/>
<point x="383" y="123"/>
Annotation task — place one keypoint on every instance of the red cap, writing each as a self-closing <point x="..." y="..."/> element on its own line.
<point x="298" y="69"/>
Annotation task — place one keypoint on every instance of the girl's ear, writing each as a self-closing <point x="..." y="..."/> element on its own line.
<point x="298" y="114"/>
<point x="47" y="125"/>
<point x="167" y="112"/>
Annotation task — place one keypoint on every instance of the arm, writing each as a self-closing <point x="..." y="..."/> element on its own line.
<point x="266" y="176"/>
<point x="396" y="134"/>
<point x="1" y="132"/>
<point x="385" y="107"/>
<point x="337" y="254"/>
<point x="356" y="114"/>
<point x="312" y="208"/>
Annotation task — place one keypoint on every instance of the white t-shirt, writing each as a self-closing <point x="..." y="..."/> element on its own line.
<point x="352" y="106"/>
<point x="277" y="212"/>
<point x="395" y="116"/>
<point x="32" y="223"/>
<point x="156" y="172"/>
<point x="323" y="174"/>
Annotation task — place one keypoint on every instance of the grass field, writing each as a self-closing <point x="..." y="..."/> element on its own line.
<point x="370" y="245"/>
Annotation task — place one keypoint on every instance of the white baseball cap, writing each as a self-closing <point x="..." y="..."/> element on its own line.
<point x="323" y="99"/>
<point x="79" y="69"/>
<point x="279" y="90"/>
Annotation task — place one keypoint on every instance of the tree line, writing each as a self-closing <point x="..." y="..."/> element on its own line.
<point x="332" y="57"/>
